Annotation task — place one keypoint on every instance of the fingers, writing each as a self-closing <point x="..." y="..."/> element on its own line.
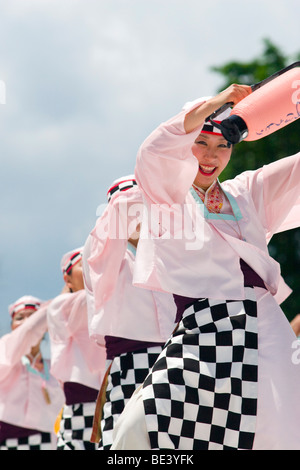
<point x="236" y="93"/>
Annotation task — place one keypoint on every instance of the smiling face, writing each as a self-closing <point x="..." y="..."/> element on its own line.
<point x="213" y="156"/>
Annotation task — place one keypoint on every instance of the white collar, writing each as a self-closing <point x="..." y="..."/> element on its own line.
<point x="210" y="188"/>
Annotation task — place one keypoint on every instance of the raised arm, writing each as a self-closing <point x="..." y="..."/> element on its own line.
<point x="234" y="93"/>
<point x="166" y="166"/>
<point x="20" y="341"/>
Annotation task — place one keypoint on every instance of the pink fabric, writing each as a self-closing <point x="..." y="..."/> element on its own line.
<point x="270" y="107"/>
<point x="278" y="413"/>
<point x="108" y="242"/>
<point x="129" y="312"/>
<point x="175" y="262"/>
<point x="21" y="400"/>
<point x="74" y="356"/>
<point x="266" y="201"/>
<point x="115" y="306"/>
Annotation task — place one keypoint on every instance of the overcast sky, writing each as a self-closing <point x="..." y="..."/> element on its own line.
<point x="86" y="81"/>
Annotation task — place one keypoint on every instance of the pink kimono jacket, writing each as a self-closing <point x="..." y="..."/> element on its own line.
<point x="22" y="402"/>
<point x="115" y="307"/>
<point x="264" y="202"/>
<point x="203" y="260"/>
<point x="75" y="357"/>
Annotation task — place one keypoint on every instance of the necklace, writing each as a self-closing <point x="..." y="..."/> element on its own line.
<point x="214" y="199"/>
<point x="215" y="203"/>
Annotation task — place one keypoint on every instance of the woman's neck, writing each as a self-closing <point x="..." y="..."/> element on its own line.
<point x="35" y="358"/>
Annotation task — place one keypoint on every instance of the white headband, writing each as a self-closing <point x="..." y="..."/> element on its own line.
<point x="70" y="259"/>
<point x="121" y="184"/>
<point x="26" y="302"/>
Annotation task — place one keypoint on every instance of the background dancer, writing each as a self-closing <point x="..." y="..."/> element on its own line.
<point x="76" y="360"/>
<point x="30" y="397"/>
<point x="135" y="322"/>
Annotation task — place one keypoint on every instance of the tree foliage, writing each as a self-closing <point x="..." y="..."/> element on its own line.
<point x="284" y="247"/>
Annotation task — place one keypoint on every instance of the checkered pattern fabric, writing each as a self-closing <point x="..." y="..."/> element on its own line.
<point x="128" y="371"/>
<point x="76" y="427"/>
<point x="202" y="392"/>
<point x="120" y="186"/>
<point x="39" y="441"/>
<point x="209" y="128"/>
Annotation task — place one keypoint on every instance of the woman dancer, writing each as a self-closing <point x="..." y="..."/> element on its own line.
<point x="133" y="323"/>
<point x="226" y="379"/>
<point x="30" y="397"/>
<point x="76" y="360"/>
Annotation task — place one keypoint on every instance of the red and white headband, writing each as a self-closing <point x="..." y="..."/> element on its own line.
<point x="70" y="259"/>
<point x="122" y="184"/>
<point x="27" y="302"/>
<point x="209" y="128"/>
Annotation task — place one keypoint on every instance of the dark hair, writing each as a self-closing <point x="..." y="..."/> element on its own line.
<point x="69" y="274"/>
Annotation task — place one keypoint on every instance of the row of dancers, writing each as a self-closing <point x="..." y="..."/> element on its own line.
<point x="168" y="333"/>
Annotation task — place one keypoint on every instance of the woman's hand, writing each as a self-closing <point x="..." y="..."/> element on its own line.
<point x="234" y="94"/>
<point x="295" y="324"/>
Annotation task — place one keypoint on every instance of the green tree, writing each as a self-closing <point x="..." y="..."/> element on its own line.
<point x="284" y="247"/>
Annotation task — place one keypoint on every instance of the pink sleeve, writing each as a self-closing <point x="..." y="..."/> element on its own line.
<point x="275" y="190"/>
<point x="166" y="167"/>
<point x="58" y="317"/>
<point x="107" y="243"/>
<point x="282" y="193"/>
<point x="19" y="342"/>
<point x="103" y="266"/>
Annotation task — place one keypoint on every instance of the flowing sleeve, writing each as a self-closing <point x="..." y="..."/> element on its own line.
<point x="275" y="191"/>
<point x="281" y="181"/>
<point x="67" y="316"/>
<point x="106" y="245"/>
<point x="165" y="167"/>
<point x="19" y="342"/>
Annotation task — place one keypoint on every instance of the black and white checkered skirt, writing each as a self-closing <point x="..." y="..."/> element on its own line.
<point x="202" y="392"/>
<point x="127" y="372"/>
<point x="38" y="441"/>
<point x="76" y="427"/>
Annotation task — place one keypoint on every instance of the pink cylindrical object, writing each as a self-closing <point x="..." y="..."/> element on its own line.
<point x="271" y="107"/>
